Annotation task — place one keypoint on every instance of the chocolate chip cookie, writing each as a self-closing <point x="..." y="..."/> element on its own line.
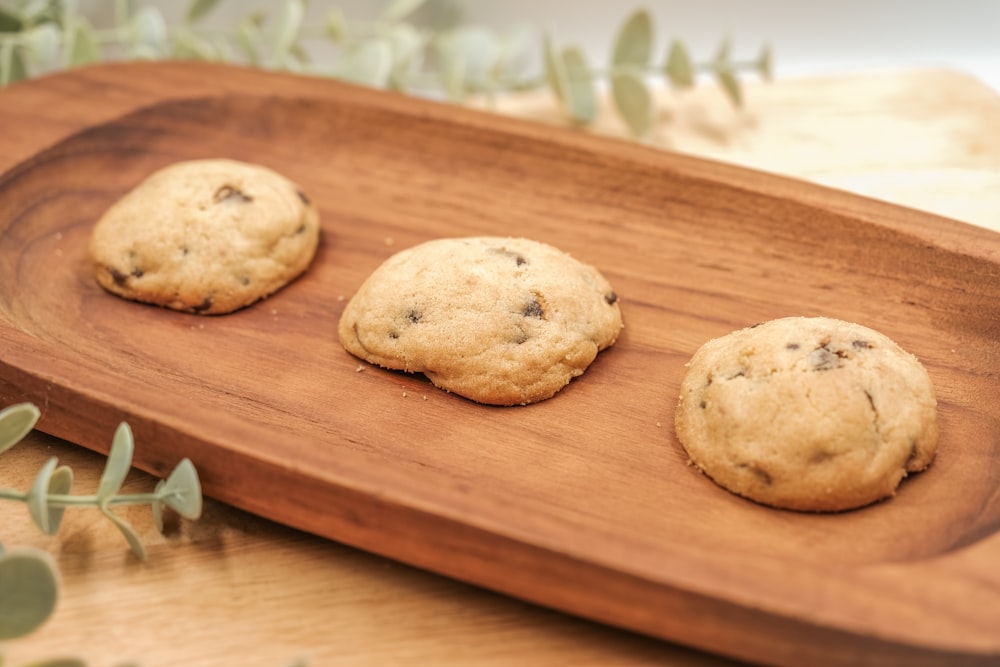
<point x="502" y="321"/>
<point x="812" y="414"/>
<point x="205" y="236"/>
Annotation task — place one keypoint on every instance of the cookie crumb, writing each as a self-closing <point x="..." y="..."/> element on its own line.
<point x="359" y="369"/>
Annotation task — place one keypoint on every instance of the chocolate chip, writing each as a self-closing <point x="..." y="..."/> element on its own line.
<point x="861" y="345"/>
<point x="533" y="309"/>
<point x="414" y="316"/>
<point x="394" y="335"/>
<point x="610" y="298"/>
<point x="825" y="359"/>
<point x="302" y="196"/>
<point x="245" y="280"/>
<point x="518" y="258"/>
<point x="703" y="405"/>
<point x="229" y="193"/>
<point x="792" y="346"/>
<point x="137" y="272"/>
<point x="203" y="306"/>
<point x="759" y="472"/>
<point x="116" y="275"/>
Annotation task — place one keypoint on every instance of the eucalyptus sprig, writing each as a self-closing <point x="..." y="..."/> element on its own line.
<point x="632" y="73"/>
<point x="28" y="576"/>
<point x="401" y="49"/>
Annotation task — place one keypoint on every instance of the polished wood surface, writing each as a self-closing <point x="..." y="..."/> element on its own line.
<point x="712" y="571"/>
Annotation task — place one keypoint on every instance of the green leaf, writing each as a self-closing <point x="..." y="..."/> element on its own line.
<point x="10" y="21"/>
<point x="764" y="63"/>
<point x="247" y="38"/>
<point x="29" y="588"/>
<point x="730" y="85"/>
<point x="368" y="63"/>
<point x="517" y="50"/>
<point x="127" y="531"/>
<point x="157" y="507"/>
<point x="634" y="44"/>
<point x="633" y="101"/>
<point x="42" y="44"/>
<point x="721" y="60"/>
<point x="679" y="69"/>
<point x="581" y="98"/>
<point x="407" y="47"/>
<point x="472" y="49"/>
<point x="118" y="464"/>
<point x="149" y="34"/>
<point x="38" y="496"/>
<point x="397" y="10"/>
<point x="555" y="73"/>
<point x="16" y="421"/>
<point x="198" y="9"/>
<point x="61" y="483"/>
<point x="124" y="11"/>
<point x="335" y="26"/>
<point x="286" y="31"/>
<point x="182" y="491"/>
<point x="81" y="47"/>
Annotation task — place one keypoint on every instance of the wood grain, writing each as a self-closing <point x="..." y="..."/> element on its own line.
<point x="582" y="503"/>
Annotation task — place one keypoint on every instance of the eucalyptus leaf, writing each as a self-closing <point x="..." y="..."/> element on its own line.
<point x="730" y="85"/>
<point x="16" y="421"/>
<point x="124" y="11"/>
<point x="118" y="464"/>
<point x="247" y="38"/>
<point x="397" y="10"/>
<point x="157" y="506"/>
<point x="471" y="49"/>
<point x="335" y="26"/>
<point x="61" y="483"/>
<point x="633" y="46"/>
<point x="199" y="9"/>
<point x="42" y="44"/>
<point x="149" y="33"/>
<point x="555" y="72"/>
<point x="81" y="47"/>
<point x="12" y="67"/>
<point x="679" y="69"/>
<point x="192" y="47"/>
<point x="518" y="49"/>
<point x="134" y="542"/>
<point x="29" y="588"/>
<point x="407" y="47"/>
<point x="368" y="63"/>
<point x="182" y="491"/>
<point x="286" y="31"/>
<point x="38" y="497"/>
<point x="581" y="97"/>
<point x="722" y="55"/>
<point x="10" y="21"/>
<point x="633" y="101"/>
<point x="764" y="63"/>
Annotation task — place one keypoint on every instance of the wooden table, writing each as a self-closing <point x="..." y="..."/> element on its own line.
<point x="232" y="588"/>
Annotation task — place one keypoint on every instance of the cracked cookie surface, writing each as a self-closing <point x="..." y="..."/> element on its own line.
<point x="205" y="236"/>
<point x="503" y="321"/>
<point x="812" y="414"/>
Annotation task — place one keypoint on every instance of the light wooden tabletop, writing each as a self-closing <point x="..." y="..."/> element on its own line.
<point x="235" y="589"/>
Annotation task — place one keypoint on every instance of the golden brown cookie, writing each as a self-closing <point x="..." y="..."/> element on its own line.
<point x="807" y="414"/>
<point x="503" y="321"/>
<point x="205" y="236"/>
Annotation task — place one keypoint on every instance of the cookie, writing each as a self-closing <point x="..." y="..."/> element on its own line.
<point x="813" y="414"/>
<point x="502" y="321"/>
<point x="205" y="236"/>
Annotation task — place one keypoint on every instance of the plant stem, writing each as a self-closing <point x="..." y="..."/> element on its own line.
<point x="63" y="500"/>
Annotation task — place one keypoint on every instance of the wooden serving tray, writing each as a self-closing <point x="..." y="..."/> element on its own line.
<point x="583" y="502"/>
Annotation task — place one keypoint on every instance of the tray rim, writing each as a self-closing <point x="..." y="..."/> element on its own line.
<point x="958" y="237"/>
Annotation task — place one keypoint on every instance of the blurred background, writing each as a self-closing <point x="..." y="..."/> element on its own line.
<point x="808" y="38"/>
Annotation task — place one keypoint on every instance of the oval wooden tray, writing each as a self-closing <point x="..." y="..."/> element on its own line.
<point x="584" y="502"/>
